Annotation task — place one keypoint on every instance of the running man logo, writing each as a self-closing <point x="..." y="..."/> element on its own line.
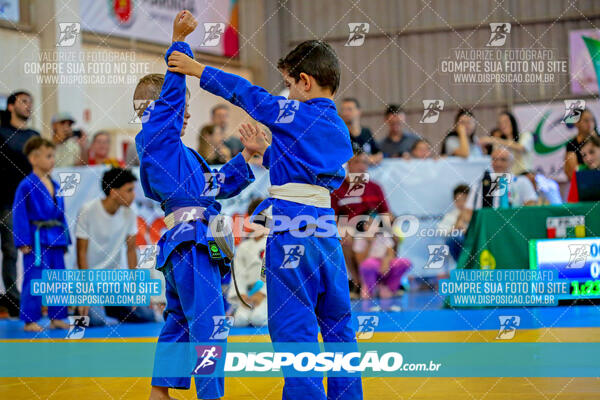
<point x="207" y="359"/>
<point x="578" y="256"/>
<point x="148" y="255"/>
<point x="68" y="32"/>
<point x="358" y="33"/>
<point x="366" y="326"/>
<point x="358" y="183"/>
<point x="139" y="111"/>
<point x="287" y="111"/>
<point x="500" y="31"/>
<point x="78" y="325"/>
<point x="212" y="183"/>
<point x="431" y="111"/>
<point x="508" y="326"/>
<point x="222" y="325"/>
<point x="573" y="110"/>
<point x="68" y="182"/>
<point x="437" y="256"/>
<point x="213" y="31"/>
<point x="499" y="184"/>
<point x="293" y="253"/>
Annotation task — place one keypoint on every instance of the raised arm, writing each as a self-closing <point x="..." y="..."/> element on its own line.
<point x="162" y="121"/>
<point x="256" y="101"/>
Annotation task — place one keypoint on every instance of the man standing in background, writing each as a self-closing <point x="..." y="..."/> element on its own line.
<point x="70" y="150"/>
<point x="14" y="166"/>
<point x="360" y="136"/>
<point x="219" y="116"/>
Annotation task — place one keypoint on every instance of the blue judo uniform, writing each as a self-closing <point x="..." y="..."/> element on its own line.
<point x="178" y="177"/>
<point x="310" y="145"/>
<point x="39" y="222"/>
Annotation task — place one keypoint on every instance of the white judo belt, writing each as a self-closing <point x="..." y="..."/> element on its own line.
<point x="303" y="193"/>
<point x="184" y="214"/>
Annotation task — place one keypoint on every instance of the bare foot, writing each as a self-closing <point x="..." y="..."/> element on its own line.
<point x="384" y="292"/>
<point x="33" y="327"/>
<point x="364" y="293"/>
<point x="160" y="393"/>
<point x="59" y="324"/>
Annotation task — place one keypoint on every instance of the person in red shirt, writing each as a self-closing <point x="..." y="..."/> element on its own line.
<point x="357" y="195"/>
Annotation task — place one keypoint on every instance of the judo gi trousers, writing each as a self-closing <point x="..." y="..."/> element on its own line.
<point x="31" y="306"/>
<point x="307" y="293"/>
<point x="193" y="291"/>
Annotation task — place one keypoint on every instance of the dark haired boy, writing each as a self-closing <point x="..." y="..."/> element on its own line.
<point x="306" y="274"/>
<point x="40" y="231"/>
<point x="104" y="227"/>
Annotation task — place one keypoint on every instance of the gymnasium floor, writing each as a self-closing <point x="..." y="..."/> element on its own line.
<point x="422" y="319"/>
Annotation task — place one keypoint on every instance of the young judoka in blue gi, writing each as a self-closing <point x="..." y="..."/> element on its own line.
<point x="181" y="180"/>
<point x="40" y="231"/>
<point x="306" y="276"/>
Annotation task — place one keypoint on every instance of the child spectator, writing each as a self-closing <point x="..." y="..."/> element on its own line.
<point x="104" y="227"/>
<point x="248" y="264"/>
<point x="459" y="196"/>
<point x="40" y="231"/>
<point x="590" y="153"/>
<point x="380" y="269"/>
<point x="421" y="150"/>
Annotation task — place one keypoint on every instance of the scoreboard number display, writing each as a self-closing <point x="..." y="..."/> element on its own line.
<point x="575" y="259"/>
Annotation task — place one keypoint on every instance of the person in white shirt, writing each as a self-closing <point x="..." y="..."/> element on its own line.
<point x="499" y="191"/>
<point x="446" y="225"/>
<point x="248" y="262"/>
<point x="105" y="227"/>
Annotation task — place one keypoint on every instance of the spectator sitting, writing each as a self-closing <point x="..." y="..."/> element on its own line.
<point x="211" y="146"/>
<point x="519" y="143"/>
<point x="462" y="141"/>
<point x="590" y="152"/>
<point x="488" y="148"/>
<point x="104" y="227"/>
<point x="459" y="196"/>
<point x="14" y="166"/>
<point x="501" y="191"/>
<point x="99" y="149"/>
<point x="356" y="196"/>
<point x="248" y="263"/>
<point x="421" y="150"/>
<point x="380" y="269"/>
<point x="397" y="142"/>
<point x="219" y="116"/>
<point x="70" y="150"/>
<point x="586" y="127"/>
<point x="361" y="136"/>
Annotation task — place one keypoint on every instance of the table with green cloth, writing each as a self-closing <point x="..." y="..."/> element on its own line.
<point x="499" y="238"/>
